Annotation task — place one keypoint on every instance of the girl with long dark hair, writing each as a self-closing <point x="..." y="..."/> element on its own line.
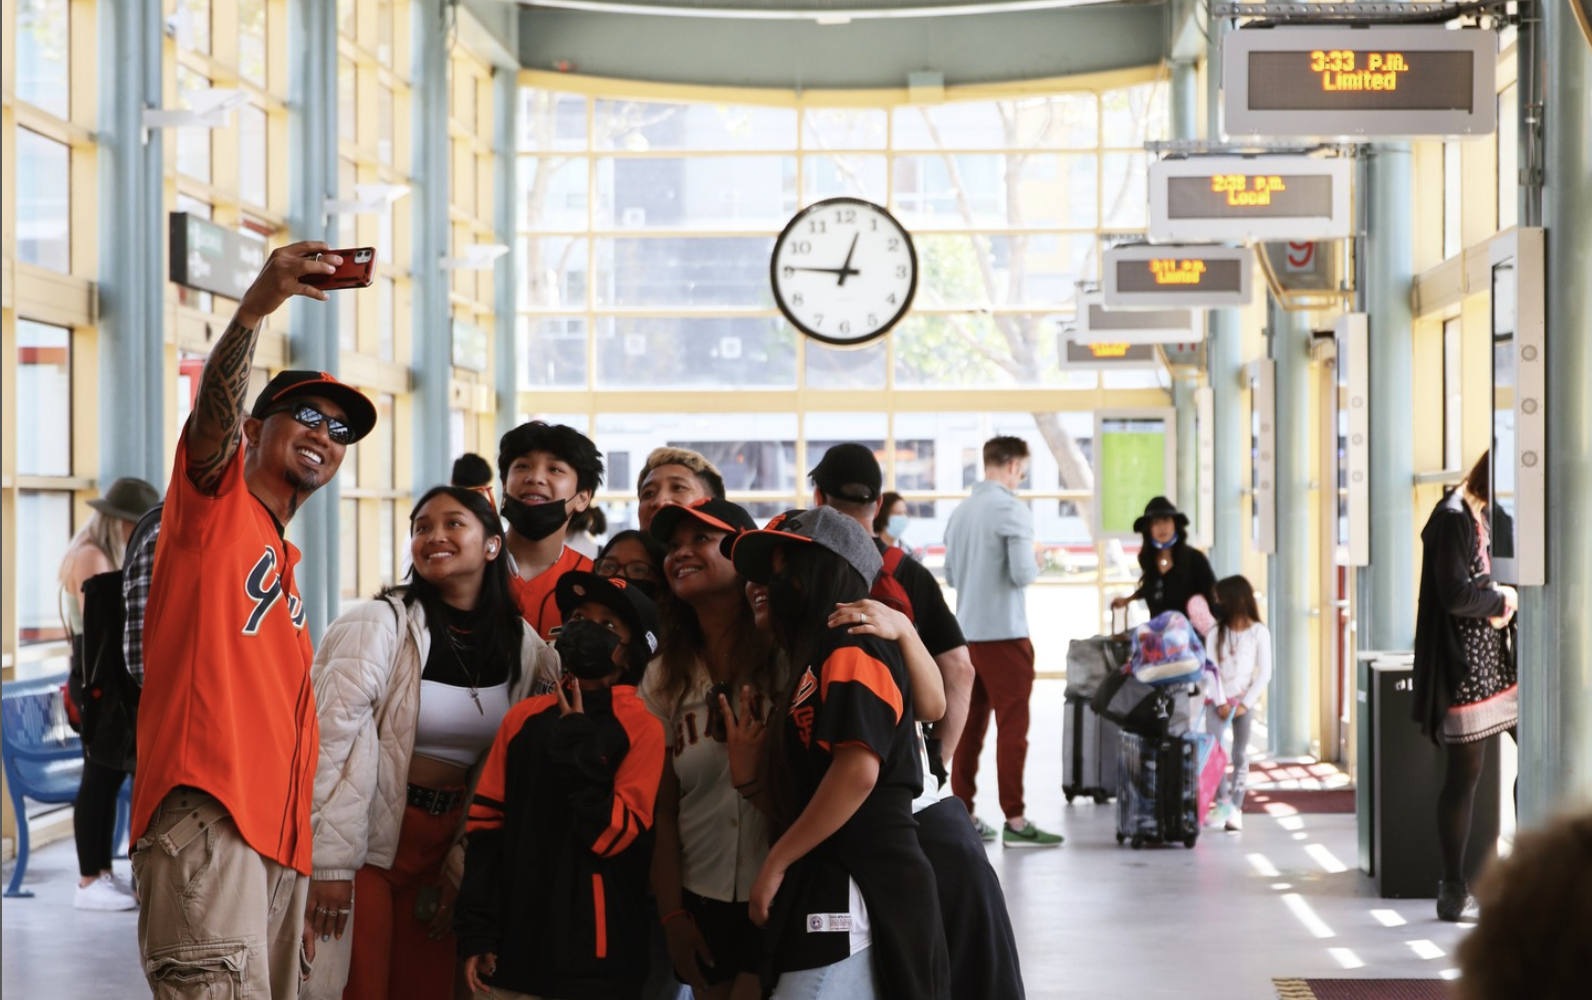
<point x="710" y="841"/>
<point x="410" y="690"/>
<point x="839" y="775"/>
<point x="1241" y="648"/>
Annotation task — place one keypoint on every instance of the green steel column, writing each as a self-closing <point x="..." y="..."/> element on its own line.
<point x="433" y="361"/>
<point x="505" y="141"/>
<point x="311" y="325"/>
<point x="1387" y="586"/>
<point x="1185" y="125"/>
<point x="132" y="227"/>
<point x="1288" y="568"/>
<point x="1556" y="620"/>
<point x="1224" y="361"/>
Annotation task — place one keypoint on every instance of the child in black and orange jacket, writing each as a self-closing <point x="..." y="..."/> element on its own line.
<point x="553" y="902"/>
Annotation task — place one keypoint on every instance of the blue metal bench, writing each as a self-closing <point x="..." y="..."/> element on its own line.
<point x="43" y="760"/>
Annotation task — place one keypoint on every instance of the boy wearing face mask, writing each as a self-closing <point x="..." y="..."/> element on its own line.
<point x="549" y="472"/>
<point x="553" y="902"/>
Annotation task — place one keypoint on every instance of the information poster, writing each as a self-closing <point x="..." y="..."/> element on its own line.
<point x="1131" y="467"/>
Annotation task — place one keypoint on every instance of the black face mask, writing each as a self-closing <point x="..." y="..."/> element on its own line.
<point x="535" y="521"/>
<point x="586" y="649"/>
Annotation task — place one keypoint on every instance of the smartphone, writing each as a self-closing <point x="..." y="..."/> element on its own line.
<point x="428" y="900"/>
<point x="356" y="271"/>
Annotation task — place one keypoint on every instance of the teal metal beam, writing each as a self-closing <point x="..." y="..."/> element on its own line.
<point x="433" y="360"/>
<point x="1555" y="626"/>
<point x="132" y="278"/>
<point x="506" y="382"/>
<point x="1387" y="586"/>
<point x="1224" y="363"/>
<point x="312" y="326"/>
<point x="1288" y="602"/>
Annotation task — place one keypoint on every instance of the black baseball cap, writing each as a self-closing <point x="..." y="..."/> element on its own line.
<point x="720" y="515"/>
<point x="629" y="603"/>
<point x="849" y="472"/>
<point x="358" y="411"/>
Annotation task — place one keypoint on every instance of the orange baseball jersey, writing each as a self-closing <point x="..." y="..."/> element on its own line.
<point x="227" y="705"/>
<point x="535" y="596"/>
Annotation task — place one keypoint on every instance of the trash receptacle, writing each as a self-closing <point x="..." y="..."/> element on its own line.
<point x="1400" y="775"/>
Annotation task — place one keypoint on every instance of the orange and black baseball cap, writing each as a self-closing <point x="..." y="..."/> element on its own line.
<point x="720" y="515"/>
<point x="753" y="552"/>
<point x="358" y="410"/>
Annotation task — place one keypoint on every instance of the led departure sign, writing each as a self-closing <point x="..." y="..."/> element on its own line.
<point x="1353" y="82"/>
<point x="1249" y="198"/>
<point x="1164" y="323"/>
<point x="1191" y="276"/>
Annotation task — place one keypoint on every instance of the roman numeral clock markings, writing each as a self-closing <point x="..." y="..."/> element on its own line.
<point x="844" y="271"/>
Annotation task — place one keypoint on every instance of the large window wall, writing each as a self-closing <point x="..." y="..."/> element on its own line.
<point x="375" y="148"/>
<point x="646" y="220"/>
<point x="48" y="333"/>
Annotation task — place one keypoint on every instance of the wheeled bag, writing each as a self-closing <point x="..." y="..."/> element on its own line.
<point x="1090" y="661"/>
<point x="1088" y="751"/>
<point x="1158" y="789"/>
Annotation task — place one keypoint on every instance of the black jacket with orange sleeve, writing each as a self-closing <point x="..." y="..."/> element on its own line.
<point x="555" y="875"/>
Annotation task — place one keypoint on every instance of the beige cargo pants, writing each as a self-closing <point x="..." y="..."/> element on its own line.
<point x="218" y="919"/>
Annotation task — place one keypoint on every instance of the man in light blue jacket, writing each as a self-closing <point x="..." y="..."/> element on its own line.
<point x="991" y="558"/>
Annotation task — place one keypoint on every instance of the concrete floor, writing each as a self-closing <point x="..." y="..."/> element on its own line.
<point x="1281" y="900"/>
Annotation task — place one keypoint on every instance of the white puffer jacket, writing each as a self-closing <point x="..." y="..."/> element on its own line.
<point x="367" y="695"/>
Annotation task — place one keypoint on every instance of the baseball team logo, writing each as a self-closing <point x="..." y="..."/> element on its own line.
<point x="264" y="588"/>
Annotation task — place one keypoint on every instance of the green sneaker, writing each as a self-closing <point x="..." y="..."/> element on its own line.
<point x="1030" y="836"/>
<point x="985" y="832"/>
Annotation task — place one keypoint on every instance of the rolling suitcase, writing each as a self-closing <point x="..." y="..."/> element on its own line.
<point x="1088" y="752"/>
<point x="1158" y="789"/>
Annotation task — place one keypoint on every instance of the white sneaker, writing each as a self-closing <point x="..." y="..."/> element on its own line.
<point x="102" y="894"/>
<point x="1235" y="821"/>
<point x="1218" y="815"/>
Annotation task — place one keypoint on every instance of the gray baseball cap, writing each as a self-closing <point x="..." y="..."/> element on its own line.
<point x="754" y="551"/>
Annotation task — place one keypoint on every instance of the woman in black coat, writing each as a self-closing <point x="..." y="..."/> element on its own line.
<point x="1173" y="573"/>
<point x="1465" y="690"/>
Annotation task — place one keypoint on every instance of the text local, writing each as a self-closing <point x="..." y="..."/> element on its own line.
<point x="1242" y="189"/>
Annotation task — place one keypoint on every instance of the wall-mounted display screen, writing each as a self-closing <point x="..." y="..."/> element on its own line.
<point x="1099" y="324"/>
<point x="1249" y="198"/>
<point x="1196" y="276"/>
<point x="1331" y="82"/>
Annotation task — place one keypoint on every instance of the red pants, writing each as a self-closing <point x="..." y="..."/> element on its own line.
<point x="1003" y="678"/>
<point x="391" y="954"/>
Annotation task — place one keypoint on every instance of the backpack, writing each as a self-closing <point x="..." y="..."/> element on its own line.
<point x="1167" y="650"/>
<point x="887" y="590"/>
<point x="110" y="695"/>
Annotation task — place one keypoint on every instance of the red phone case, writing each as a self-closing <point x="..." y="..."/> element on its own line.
<point x="356" y="271"/>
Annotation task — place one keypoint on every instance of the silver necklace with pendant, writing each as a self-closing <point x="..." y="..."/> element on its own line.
<point x="454" y="647"/>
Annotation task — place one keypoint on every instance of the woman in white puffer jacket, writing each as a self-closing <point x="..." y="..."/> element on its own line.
<point x="410" y="689"/>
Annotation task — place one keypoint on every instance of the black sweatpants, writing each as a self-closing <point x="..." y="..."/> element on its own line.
<point x="978" y="929"/>
<point x="94" y="816"/>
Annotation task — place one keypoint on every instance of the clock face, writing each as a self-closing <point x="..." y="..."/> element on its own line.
<point x="844" y="271"/>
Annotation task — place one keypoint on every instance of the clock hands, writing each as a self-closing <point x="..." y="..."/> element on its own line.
<point x="844" y="270"/>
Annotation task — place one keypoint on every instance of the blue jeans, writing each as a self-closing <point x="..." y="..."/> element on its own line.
<point x="848" y="979"/>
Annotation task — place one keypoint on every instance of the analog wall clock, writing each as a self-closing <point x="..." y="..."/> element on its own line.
<point x="844" y="271"/>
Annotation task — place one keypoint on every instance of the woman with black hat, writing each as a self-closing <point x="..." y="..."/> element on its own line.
<point x="1173" y="572"/>
<point x="98" y="548"/>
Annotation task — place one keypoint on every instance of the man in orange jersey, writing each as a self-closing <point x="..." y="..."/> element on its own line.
<point x="550" y="472"/>
<point x="227" y="736"/>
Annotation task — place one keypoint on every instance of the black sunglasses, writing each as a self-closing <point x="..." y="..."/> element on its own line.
<point x="310" y="417"/>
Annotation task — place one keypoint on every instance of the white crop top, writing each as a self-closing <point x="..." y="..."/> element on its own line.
<point x="451" y="728"/>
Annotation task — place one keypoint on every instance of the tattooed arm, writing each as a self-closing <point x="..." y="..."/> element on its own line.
<point x="213" y="427"/>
